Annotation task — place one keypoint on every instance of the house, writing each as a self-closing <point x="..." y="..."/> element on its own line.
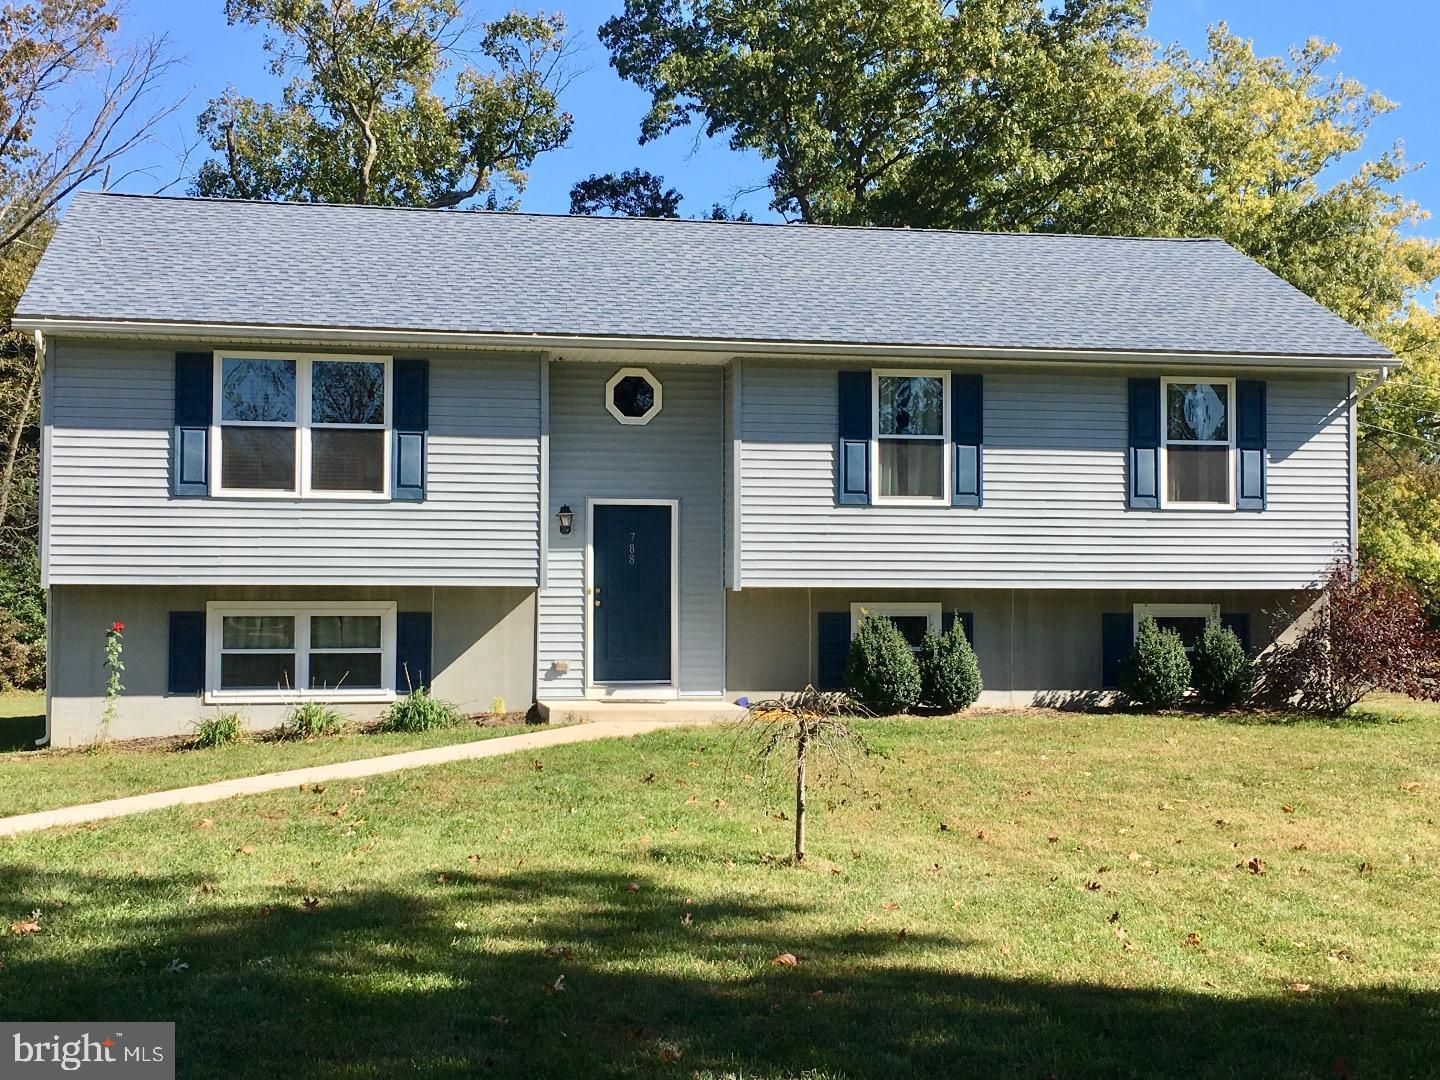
<point x="336" y="451"/>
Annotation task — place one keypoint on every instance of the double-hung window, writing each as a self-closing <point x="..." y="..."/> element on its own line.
<point x="264" y="651"/>
<point x="302" y="425"/>
<point x="912" y="433"/>
<point x="1198" y="437"/>
<point x="913" y="620"/>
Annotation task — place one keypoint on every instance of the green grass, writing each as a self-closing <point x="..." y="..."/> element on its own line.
<point x="46" y="779"/>
<point x="595" y="910"/>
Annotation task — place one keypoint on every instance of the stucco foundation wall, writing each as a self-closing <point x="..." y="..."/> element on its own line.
<point x="483" y="648"/>
<point x="1034" y="646"/>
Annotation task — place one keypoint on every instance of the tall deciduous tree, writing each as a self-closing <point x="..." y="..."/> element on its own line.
<point x="1016" y="115"/>
<point x="397" y="102"/>
<point x="636" y="193"/>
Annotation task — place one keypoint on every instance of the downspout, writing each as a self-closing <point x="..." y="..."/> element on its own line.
<point x="1356" y="397"/>
<point x="42" y="472"/>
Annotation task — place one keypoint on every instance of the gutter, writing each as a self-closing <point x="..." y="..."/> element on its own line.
<point x="723" y="347"/>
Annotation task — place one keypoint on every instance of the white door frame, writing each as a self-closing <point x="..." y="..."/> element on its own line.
<point x="669" y="688"/>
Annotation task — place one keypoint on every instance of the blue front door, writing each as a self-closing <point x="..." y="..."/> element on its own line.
<point x="632" y="593"/>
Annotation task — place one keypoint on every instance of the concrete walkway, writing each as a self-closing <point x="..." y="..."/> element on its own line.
<point x="319" y="774"/>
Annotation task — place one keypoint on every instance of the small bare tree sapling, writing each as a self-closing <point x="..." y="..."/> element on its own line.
<point x="812" y="722"/>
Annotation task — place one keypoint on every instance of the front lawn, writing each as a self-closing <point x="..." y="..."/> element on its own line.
<point x="1019" y="896"/>
<point x="46" y="779"/>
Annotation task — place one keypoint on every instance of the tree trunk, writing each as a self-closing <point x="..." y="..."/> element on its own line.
<point x="800" y="749"/>
<point x="12" y="448"/>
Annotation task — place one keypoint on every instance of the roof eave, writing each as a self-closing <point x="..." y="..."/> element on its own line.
<point x="352" y="335"/>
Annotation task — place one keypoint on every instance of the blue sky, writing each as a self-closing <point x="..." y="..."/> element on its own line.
<point x="1389" y="45"/>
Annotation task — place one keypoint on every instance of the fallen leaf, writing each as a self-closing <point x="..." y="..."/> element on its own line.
<point x="310" y="903"/>
<point x="472" y="858"/>
<point x="1300" y="987"/>
<point x="669" y="1055"/>
<point x="556" y="987"/>
<point x="902" y="934"/>
<point x="1287" y="808"/>
<point x="980" y="835"/>
<point x="1255" y="865"/>
<point x="442" y="878"/>
<point x="266" y="911"/>
<point x="1114" y="917"/>
<point x="1192" y="939"/>
<point x="648" y="778"/>
<point x="944" y="827"/>
<point x="890" y="905"/>
<point x="634" y="886"/>
<point x="245" y="849"/>
<point x="1093" y="886"/>
<point x="817" y="994"/>
<point x="686" y="920"/>
<point x="785" y="959"/>
<point x="1366" y="867"/>
<point x="1053" y="839"/>
<point x="560" y="950"/>
<point x="537" y="765"/>
<point x="205" y="823"/>
<point x="25" y="927"/>
<point x="497" y="1020"/>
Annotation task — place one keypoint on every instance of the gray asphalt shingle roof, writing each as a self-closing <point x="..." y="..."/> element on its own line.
<point x="138" y="258"/>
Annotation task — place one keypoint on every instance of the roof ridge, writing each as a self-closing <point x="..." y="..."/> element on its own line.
<point x="651" y="221"/>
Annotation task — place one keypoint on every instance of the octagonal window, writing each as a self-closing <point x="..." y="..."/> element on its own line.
<point x="633" y="396"/>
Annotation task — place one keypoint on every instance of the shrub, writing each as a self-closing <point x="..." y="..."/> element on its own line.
<point x="22" y="661"/>
<point x="1157" y="674"/>
<point x="220" y="729"/>
<point x="418" y="711"/>
<point x="1366" y="633"/>
<point x="309" y="719"/>
<point x="1223" y="673"/>
<point x="949" y="673"/>
<point x="881" y="671"/>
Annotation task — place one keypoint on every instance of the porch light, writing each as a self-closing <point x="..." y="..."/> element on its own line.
<point x="566" y="517"/>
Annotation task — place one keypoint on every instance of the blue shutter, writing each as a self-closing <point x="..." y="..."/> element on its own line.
<point x="967" y="621"/>
<point x="1250" y="441"/>
<point x="1144" y="464"/>
<point x="190" y="451"/>
<point x="967" y="437"/>
<point x="186" y="670"/>
<point x="412" y="651"/>
<point x="852" y="458"/>
<point x="832" y="637"/>
<point x="1239" y="622"/>
<point x="411" y="413"/>
<point x="1117" y="641"/>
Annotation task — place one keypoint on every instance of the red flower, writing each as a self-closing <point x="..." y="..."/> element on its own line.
<point x="117" y="628"/>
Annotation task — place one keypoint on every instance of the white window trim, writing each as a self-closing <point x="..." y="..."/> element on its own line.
<point x="301" y="612"/>
<point x="1229" y="444"/>
<point x="638" y="372"/>
<point x="943" y="499"/>
<point x="931" y="611"/>
<point x="302" y="426"/>
<point x="1174" y="611"/>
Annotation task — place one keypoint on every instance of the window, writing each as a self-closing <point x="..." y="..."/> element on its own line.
<point x="303" y="425"/>
<point x="913" y="621"/>
<point x="262" y="651"/>
<point x="912" y="430"/>
<point x="1187" y="620"/>
<point x="1197" y="435"/>
<point x="633" y="396"/>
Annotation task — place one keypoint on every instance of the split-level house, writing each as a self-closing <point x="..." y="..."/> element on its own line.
<point x="335" y="451"/>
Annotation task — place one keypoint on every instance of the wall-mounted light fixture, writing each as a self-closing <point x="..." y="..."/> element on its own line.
<point x="566" y="517"/>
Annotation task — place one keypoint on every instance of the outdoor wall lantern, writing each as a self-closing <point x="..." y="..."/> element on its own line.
<point x="566" y="517"/>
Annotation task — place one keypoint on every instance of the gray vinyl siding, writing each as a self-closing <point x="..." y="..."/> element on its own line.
<point x="678" y="455"/>
<point x="112" y="519"/>
<point x="1054" y="512"/>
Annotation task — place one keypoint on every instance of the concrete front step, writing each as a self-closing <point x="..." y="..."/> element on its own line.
<point x="669" y="712"/>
